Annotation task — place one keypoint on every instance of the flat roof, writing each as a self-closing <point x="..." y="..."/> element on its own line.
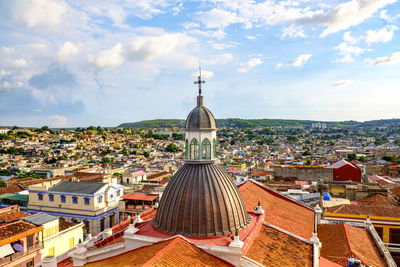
<point x="40" y="218"/>
<point x="140" y="196"/>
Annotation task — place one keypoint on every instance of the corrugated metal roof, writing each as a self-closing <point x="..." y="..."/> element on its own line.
<point x="77" y="187"/>
<point x="40" y="218"/>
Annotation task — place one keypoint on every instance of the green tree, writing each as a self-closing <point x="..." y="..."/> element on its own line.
<point x="362" y="159"/>
<point x="351" y="156"/>
<point x="146" y="154"/>
<point x="308" y="162"/>
<point x="105" y="160"/>
<point x="171" y="147"/>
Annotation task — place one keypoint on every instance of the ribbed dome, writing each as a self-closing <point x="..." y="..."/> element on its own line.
<point x="200" y="118"/>
<point x="201" y="200"/>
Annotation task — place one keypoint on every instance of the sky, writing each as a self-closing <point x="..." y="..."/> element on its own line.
<point x="80" y="63"/>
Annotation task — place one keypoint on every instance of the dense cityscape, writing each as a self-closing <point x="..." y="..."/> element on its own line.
<point x="199" y="133"/>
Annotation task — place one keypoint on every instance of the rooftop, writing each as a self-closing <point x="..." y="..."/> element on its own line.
<point x="283" y="249"/>
<point x="172" y="252"/>
<point x="40" y="218"/>
<point x="77" y="187"/>
<point x="139" y="196"/>
<point x="280" y="210"/>
<point x="343" y="241"/>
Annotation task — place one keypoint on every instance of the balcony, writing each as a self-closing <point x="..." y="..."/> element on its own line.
<point x="17" y="255"/>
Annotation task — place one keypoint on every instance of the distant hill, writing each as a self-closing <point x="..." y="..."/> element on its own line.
<point x="238" y="123"/>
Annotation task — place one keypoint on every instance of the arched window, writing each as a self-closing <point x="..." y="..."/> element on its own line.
<point x="206" y="149"/>
<point x="187" y="149"/>
<point x="215" y="148"/>
<point x="194" y="149"/>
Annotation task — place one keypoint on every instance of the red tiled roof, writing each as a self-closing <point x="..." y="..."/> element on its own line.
<point x="158" y="175"/>
<point x="384" y="211"/>
<point x="343" y="241"/>
<point x="272" y="247"/>
<point x="140" y="196"/>
<point x="378" y="200"/>
<point x="323" y="262"/>
<point x="280" y="211"/>
<point x="17" y="230"/>
<point x="173" y="252"/>
<point x="11" y="216"/>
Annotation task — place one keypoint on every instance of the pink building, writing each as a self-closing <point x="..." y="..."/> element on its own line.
<point x="20" y="241"/>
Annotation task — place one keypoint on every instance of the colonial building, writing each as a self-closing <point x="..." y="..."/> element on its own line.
<point x="94" y="204"/>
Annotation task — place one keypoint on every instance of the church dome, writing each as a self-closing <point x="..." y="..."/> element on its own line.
<point x="200" y="118"/>
<point x="201" y="200"/>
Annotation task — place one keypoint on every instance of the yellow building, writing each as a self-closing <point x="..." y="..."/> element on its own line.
<point x="58" y="236"/>
<point x="93" y="204"/>
<point x="237" y="166"/>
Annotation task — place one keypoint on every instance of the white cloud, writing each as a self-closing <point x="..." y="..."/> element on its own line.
<point x="58" y="121"/>
<point x="342" y="83"/>
<point x="293" y="31"/>
<point x="67" y="50"/>
<point x="385" y="16"/>
<point x="348" y="51"/>
<point x="218" y="34"/>
<point x="253" y="62"/>
<point x="383" y="35"/>
<point x="218" y="18"/>
<point x="300" y="60"/>
<point x="222" y="46"/>
<point x="204" y="74"/>
<point x="37" y="12"/>
<point x="19" y="63"/>
<point x="190" y="25"/>
<point x="111" y="58"/>
<point x="219" y="59"/>
<point x="250" y="37"/>
<point x="349" y="39"/>
<point x="147" y="48"/>
<point x="392" y="59"/>
<point x="5" y="86"/>
<point x="279" y="65"/>
<point x="349" y="14"/>
<point x="7" y="50"/>
<point x="3" y="73"/>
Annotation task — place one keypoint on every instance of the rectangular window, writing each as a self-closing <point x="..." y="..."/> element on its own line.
<point x="100" y="199"/>
<point x="75" y="200"/>
<point x="63" y="199"/>
<point x="51" y="251"/>
<point x="86" y="201"/>
<point x="118" y="192"/>
<point x="30" y="263"/>
<point x="40" y="196"/>
<point x="51" y="198"/>
<point x="71" y="243"/>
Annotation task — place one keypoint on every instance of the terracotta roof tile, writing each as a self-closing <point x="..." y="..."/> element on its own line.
<point x="378" y="200"/>
<point x="275" y="248"/>
<point x="385" y="211"/>
<point x="323" y="262"/>
<point x="15" y="228"/>
<point x="173" y="252"/>
<point x="11" y="216"/>
<point x="343" y="241"/>
<point x="280" y="211"/>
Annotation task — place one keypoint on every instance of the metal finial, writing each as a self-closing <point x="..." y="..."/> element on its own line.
<point x="199" y="81"/>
